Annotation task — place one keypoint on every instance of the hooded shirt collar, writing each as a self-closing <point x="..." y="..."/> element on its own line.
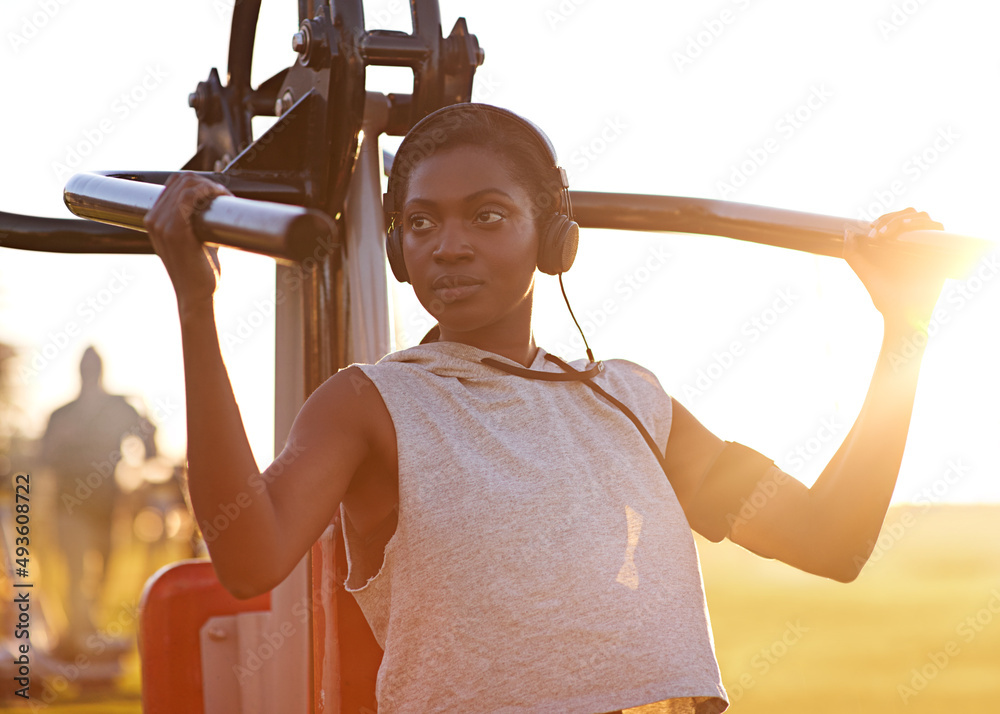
<point x="454" y="359"/>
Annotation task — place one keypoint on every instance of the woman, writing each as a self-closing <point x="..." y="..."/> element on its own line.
<point x="537" y="557"/>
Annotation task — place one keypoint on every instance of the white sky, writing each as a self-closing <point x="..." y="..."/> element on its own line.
<point x="885" y="81"/>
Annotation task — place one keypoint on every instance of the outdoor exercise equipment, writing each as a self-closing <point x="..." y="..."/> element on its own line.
<point x="308" y="194"/>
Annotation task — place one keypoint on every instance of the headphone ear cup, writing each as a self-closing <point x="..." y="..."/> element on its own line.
<point x="394" y="251"/>
<point x="557" y="248"/>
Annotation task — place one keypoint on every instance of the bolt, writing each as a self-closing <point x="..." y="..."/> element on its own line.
<point x="217" y="634"/>
<point x="194" y="100"/>
<point x="300" y="42"/>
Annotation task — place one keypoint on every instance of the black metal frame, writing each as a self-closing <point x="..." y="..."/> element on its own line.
<point x="307" y="156"/>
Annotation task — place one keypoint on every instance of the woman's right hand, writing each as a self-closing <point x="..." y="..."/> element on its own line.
<point x="192" y="266"/>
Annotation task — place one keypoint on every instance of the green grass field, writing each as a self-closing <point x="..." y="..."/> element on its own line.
<point x="918" y="632"/>
<point x="792" y="642"/>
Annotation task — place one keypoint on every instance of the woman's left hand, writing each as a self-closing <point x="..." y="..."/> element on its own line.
<point x="904" y="285"/>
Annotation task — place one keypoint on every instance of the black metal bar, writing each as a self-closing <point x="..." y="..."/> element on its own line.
<point x="284" y="232"/>
<point x="428" y="78"/>
<point x="68" y="235"/>
<point x="383" y="47"/>
<point x="809" y="232"/>
<point x="241" y="41"/>
<point x="276" y="186"/>
<point x="306" y="10"/>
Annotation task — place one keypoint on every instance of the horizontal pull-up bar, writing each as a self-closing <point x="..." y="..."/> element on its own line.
<point x="809" y="232"/>
<point x="278" y="230"/>
<point x="288" y="233"/>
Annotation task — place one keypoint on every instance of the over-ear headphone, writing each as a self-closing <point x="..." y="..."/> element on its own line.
<point x="559" y="234"/>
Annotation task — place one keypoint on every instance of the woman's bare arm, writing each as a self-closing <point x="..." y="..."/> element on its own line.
<point x="829" y="529"/>
<point x="257" y="525"/>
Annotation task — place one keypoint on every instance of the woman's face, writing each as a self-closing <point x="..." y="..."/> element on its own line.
<point x="470" y="243"/>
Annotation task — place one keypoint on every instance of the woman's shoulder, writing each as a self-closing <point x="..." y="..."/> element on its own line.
<point x="638" y="384"/>
<point x="627" y="369"/>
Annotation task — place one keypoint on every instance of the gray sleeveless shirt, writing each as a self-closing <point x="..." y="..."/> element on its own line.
<point x="541" y="561"/>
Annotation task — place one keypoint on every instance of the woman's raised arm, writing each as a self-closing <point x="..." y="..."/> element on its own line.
<point x="830" y="528"/>
<point x="257" y="525"/>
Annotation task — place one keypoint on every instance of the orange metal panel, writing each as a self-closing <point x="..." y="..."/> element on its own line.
<point x="176" y="602"/>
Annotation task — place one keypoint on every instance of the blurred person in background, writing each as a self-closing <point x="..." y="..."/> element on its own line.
<point x="81" y="447"/>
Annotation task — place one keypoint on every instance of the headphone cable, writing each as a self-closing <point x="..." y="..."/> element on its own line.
<point x="590" y="355"/>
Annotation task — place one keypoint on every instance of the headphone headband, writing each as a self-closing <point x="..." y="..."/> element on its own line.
<point x="558" y="233"/>
<point x="446" y="116"/>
